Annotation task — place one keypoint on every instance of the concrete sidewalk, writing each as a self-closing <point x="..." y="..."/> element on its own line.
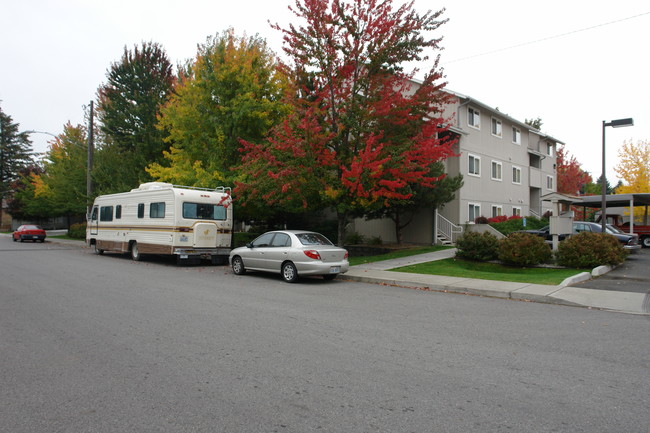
<point x="564" y="294"/>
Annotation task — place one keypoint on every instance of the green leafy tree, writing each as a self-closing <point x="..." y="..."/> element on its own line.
<point x="535" y="123"/>
<point x="128" y="108"/>
<point x="232" y="91"/>
<point x="15" y="154"/>
<point x="361" y="131"/>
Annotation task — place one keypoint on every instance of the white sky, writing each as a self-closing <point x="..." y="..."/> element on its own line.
<point x="55" y="53"/>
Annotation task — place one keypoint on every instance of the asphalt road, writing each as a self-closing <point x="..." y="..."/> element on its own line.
<point x="103" y="344"/>
<point x="633" y="275"/>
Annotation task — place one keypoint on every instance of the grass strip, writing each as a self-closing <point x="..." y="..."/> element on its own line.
<point x="397" y="254"/>
<point x="491" y="271"/>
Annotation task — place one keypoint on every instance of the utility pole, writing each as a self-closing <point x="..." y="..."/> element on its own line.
<point x="89" y="181"/>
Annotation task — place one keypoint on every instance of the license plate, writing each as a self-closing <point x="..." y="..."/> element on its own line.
<point x="184" y="256"/>
<point x="34" y="237"/>
<point x="335" y="269"/>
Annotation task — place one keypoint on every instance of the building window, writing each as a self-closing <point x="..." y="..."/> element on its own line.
<point x="474" y="165"/>
<point x="516" y="211"/>
<point x="516" y="175"/>
<point x="157" y="210"/>
<point x="106" y="213"/>
<point x="497" y="210"/>
<point x="496" y="170"/>
<point x="474" y="211"/>
<point x="549" y="149"/>
<point x="118" y="211"/>
<point x="140" y="210"/>
<point x="473" y="118"/>
<point x="496" y="127"/>
<point x="516" y="135"/>
<point x="549" y="183"/>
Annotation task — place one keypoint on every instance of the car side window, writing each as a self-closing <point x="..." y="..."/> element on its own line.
<point x="281" y="240"/>
<point x="263" y="241"/>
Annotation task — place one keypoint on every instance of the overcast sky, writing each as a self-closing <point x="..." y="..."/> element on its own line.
<point x="572" y="63"/>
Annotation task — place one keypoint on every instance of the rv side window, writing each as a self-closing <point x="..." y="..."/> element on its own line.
<point x="140" y="210"/>
<point x="157" y="210"/>
<point x="106" y="213"/>
<point x="118" y="211"/>
<point x="93" y="216"/>
<point x="203" y="211"/>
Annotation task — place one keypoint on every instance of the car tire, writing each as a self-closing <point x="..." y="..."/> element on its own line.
<point x="645" y="242"/>
<point x="21" y="239"/>
<point x="289" y="272"/>
<point x="15" y="240"/>
<point x="238" y="266"/>
<point x="135" y="252"/>
<point x="329" y="277"/>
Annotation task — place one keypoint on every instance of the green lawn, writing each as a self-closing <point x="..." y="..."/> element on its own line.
<point x="397" y="254"/>
<point x="491" y="271"/>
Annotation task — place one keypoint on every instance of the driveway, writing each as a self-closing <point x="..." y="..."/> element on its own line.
<point x="632" y="276"/>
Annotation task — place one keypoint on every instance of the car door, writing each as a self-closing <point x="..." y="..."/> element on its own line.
<point x="256" y="255"/>
<point x="279" y="251"/>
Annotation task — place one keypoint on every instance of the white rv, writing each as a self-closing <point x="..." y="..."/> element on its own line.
<point x="164" y="219"/>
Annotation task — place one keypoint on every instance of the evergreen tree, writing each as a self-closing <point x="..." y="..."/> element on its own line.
<point x="128" y="107"/>
<point x="15" y="154"/>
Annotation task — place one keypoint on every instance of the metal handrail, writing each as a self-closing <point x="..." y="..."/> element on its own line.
<point x="447" y="228"/>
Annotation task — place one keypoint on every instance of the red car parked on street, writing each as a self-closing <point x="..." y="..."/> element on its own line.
<point x="29" y="232"/>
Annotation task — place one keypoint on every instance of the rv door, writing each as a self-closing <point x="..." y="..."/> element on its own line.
<point x="94" y="221"/>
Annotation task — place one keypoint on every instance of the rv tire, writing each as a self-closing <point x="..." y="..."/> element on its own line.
<point x="135" y="252"/>
<point x="98" y="251"/>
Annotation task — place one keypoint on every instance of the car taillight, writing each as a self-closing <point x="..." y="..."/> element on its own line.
<point x="312" y="254"/>
<point x="346" y="255"/>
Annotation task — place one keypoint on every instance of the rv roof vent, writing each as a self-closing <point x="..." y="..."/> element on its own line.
<point x="149" y="186"/>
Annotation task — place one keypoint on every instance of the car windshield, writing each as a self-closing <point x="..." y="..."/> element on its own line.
<point x="312" y="239"/>
<point x="612" y="229"/>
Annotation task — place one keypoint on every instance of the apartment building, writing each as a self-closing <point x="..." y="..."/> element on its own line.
<point x="507" y="166"/>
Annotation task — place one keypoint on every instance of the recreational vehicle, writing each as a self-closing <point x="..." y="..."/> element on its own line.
<point x="164" y="219"/>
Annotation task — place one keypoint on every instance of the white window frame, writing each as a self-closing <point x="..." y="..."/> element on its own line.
<point x="472" y="209"/>
<point x="516" y="169"/>
<point x="473" y="118"/>
<point x="496" y="127"/>
<point x="477" y="165"/>
<point x="497" y="210"/>
<point x="500" y="170"/>
<point x="549" y="149"/>
<point x="549" y="183"/>
<point x="516" y="211"/>
<point x="516" y="135"/>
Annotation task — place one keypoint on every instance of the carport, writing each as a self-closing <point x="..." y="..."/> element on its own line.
<point x="619" y="200"/>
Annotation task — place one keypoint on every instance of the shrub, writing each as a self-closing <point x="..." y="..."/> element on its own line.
<point x="497" y="219"/>
<point x="477" y="246"/>
<point x="588" y="250"/>
<point x="354" y="239"/>
<point x="524" y="249"/>
<point x="375" y="240"/>
<point x="242" y="238"/>
<point x="481" y="220"/>
<point x="77" y="231"/>
<point x="517" y="223"/>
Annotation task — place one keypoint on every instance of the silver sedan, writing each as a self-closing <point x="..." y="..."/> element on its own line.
<point x="291" y="253"/>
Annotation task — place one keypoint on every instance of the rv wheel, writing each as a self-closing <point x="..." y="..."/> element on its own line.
<point x="135" y="253"/>
<point x="98" y="251"/>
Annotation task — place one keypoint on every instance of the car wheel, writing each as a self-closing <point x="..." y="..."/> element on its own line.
<point x="15" y="240"/>
<point x="289" y="272"/>
<point x="238" y="266"/>
<point x="645" y="242"/>
<point x="135" y="252"/>
<point x="21" y="239"/>
<point x="329" y="277"/>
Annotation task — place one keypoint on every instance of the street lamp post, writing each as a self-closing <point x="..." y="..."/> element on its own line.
<point x="618" y="123"/>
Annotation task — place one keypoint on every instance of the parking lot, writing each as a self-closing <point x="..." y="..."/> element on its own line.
<point x="632" y="276"/>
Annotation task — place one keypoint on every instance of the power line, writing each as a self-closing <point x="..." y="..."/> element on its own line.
<point x="547" y="38"/>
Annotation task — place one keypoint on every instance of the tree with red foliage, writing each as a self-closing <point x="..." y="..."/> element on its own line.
<point x="570" y="176"/>
<point x="362" y="132"/>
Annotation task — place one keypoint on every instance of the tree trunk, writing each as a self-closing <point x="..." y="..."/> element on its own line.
<point x="342" y="218"/>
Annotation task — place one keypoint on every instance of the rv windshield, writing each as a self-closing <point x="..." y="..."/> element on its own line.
<point x="203" y="211"/>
